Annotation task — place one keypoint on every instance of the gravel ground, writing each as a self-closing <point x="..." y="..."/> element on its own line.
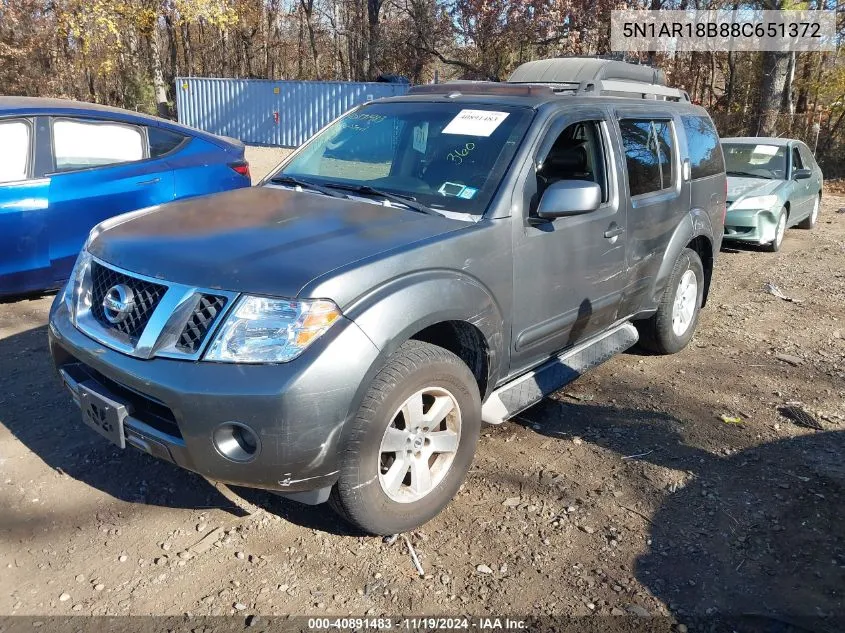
<point x="655" y="485"/>
<point x="263" y="159"/>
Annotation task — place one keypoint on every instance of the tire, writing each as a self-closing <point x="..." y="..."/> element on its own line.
<point x="780" y="232"/>
<point x="810" y="221"/>
<point x="659" y="333"/>
<point x="367" y="494"/>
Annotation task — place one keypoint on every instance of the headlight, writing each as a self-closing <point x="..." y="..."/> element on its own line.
<point x="754" y="202"/>
<point x="264" y="330"/>
<point x="73" y="287"/>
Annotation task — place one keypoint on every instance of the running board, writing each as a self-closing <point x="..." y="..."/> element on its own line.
<point x="519" y="394"/>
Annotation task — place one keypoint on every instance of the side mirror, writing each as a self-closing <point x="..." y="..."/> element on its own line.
<point x="569" y="197"/>
<point x="802" y="174"/>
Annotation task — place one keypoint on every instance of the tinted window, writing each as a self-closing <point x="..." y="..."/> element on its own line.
<point x="14" y="139"/>
<point x="163" y="141"/>
<point x="640" y="157"/>
<point x="806" y="156"/>
<point x="796" y="160"/>
<point x="577" y="154"/>
<point x="666" y="152"/>
<point x="85" y="144"/>
<point x="705" y="153"/>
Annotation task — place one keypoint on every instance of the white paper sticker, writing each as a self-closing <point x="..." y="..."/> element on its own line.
<point x="475" y="122"/>
<point x="766" y="150"/>
<point x="421" y="137"/>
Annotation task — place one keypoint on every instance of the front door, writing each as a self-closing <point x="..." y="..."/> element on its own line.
<point x="803" y="196"/>
<point x="569" y="273"/>
<point x="24" y="246"/>
<point x="102" y="169"/>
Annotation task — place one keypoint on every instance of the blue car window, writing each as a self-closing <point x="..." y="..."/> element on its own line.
<point x="163" y="141"/>
<point x="86" y="144"/>
<point x="14" y="139"/>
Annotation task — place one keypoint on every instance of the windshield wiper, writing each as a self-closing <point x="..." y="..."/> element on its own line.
<point x="304" y="184"/>
<point x="408" y="201"/>
<point x="746" y="173"/>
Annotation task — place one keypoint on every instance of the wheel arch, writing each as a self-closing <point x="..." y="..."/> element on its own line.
<point x="695" y="231"/>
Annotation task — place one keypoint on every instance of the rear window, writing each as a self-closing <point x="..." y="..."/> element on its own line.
<point x="649" y="151"/>
<point x="705" y="153"/>
<point x="163" y="141"/>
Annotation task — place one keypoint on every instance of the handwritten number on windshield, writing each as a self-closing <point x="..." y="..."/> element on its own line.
<point x="458" y="155"/>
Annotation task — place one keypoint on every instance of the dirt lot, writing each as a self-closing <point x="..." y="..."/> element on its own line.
<point x="627" y="492"/>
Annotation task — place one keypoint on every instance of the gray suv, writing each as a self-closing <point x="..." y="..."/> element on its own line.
<point x="421" y="265"/>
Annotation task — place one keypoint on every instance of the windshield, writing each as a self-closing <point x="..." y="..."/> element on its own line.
<point x="446" y="156"/>
<point x="755" y="160"/>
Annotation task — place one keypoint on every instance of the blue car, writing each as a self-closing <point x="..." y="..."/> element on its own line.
<point x="65" y="166"/>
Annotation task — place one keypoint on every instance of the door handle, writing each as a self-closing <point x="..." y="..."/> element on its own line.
<point x="614" y="232"/>
<point x="151" y="181"/>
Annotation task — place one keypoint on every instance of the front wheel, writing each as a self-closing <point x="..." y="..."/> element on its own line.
<point x="670" y="328"/>
<point x="412" y="442"/>
<point x="780" y="231"/>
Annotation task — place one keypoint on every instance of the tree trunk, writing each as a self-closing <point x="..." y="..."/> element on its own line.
<point x="772" y="85"/>
<point x="160" y="87"/>
<point x="373" y="41"/>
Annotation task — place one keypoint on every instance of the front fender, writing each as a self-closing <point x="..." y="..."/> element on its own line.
<point x="696" y="223"/>
<point x="392" y="313"/>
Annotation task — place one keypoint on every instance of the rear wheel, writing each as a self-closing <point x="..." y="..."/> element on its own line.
<point x="670" y="328"/>
<point x="412" y="442"/>
<point x="780" y="231"/>
<point x="810" y="221"/>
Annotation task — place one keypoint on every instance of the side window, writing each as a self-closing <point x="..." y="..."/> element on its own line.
<point x="577" y="154"/>
<point x="796" y="160"/>
<point x="806" y="156"/>
<point x="85" y="144"/>
<point x="649" y="155"/>
<point x="163" y="141"/>
<point x="14" y="159"/>
<point x="705" y="151"/>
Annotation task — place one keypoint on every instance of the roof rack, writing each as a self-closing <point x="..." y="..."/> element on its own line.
<point x="583" y="76"/>
<point x="591" y="76"/>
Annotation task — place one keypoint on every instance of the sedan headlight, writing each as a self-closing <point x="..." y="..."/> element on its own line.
<point x="265" y="330"/>
<point x="73" y="287"/>
<point x="754" y="202"/>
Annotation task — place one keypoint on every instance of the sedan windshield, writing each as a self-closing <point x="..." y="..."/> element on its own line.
<point x="446" y="156"/>
<point x="755" y="160"/>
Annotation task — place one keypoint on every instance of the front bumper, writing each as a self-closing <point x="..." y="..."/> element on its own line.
<point x="752" y="226"/>
<point x="297" y="410"/>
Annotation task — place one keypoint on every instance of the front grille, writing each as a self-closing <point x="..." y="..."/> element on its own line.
<point x="199" y="323"/>
<point x="146" y="297"/>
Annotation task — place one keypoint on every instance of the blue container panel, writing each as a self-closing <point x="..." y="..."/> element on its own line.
<point x="265" y="112"/>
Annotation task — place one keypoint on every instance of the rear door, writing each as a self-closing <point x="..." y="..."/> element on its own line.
<point x="101" y="168"/>
<point x="24" y="247"/>
<point x="657" y="195"/>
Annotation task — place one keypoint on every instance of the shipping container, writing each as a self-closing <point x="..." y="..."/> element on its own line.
<point x="267" y="112"/>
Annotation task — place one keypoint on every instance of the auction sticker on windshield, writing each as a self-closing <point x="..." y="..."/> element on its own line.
<point x="475" y="122"/>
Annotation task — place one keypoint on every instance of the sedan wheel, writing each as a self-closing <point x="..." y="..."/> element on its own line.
<point x="780" y="231"/>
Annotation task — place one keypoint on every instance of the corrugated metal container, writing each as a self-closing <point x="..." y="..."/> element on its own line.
<point x="266" y="112"/>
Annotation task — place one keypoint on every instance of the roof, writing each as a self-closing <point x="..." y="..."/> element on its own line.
<point x="760" y="140"/>
<point x="29" y="106"/>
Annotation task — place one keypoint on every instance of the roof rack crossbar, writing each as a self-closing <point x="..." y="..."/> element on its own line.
<point x="607" y="86"/>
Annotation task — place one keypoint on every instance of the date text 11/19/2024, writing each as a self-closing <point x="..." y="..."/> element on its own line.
<point x="418" y="623"/>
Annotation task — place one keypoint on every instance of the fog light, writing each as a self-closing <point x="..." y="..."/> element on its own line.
<point x="236" y="441"/>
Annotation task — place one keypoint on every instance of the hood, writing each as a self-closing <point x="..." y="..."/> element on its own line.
<point x="739" y="187"/>
<point x="261" y="240"/>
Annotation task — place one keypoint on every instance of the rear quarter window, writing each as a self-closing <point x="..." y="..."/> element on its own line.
<point x="163" y="141"/>
<point x="705" y="152"/>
